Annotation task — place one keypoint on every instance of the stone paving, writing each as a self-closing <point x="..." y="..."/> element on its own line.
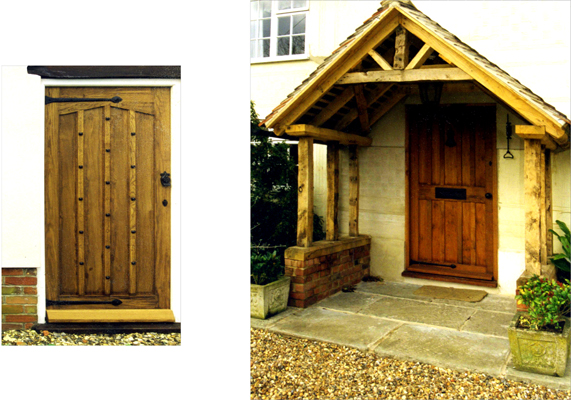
<point x="390" y="320"/>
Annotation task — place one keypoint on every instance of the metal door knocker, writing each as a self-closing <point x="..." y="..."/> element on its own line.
<point x="165" y="179"/>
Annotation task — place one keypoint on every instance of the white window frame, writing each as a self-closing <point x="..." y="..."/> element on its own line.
<point x="274" y="35"/>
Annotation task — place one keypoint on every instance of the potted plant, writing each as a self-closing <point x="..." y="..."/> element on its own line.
<point x="562" y="261"/>
<point x="539" y="339"/>
<point x="269" y="289"/>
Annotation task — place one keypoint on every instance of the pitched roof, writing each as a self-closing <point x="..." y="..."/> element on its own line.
<point x="322" y="82"/>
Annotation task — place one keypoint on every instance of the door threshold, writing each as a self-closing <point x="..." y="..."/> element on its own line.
<point x="446" y="278"/>
<point x="108" y="328"/>
<point x="109" y="316"/>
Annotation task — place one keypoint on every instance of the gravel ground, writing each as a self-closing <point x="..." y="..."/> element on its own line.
<point x="45" y="338"/>
<point x="291" y="368"/>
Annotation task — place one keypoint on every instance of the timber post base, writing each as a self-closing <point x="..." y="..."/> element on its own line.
<point x="324" y="268"/>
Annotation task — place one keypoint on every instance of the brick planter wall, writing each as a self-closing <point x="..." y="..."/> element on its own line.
<point x="19" y="298"/>
<point x="321" y="271"/>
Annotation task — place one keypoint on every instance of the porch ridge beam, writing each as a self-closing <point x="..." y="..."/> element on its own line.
<point x="327" y="135"/>
<point x="407" y="75"/>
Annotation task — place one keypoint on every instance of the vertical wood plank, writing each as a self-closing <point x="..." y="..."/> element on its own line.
<point x="532" y="201"/>
<point x="451" y="221"/>
<point x="436" y="155"/>
<point x="415" y="126"/>
<point x="94" y="199"/>
<point x="469" y="233"/>
<point x="107" y="253"/>
<point x="80" y="208"/>
<point x="162" y="214"/>
<point x="548" y="204"/>
<point x="425" y="230"/>
<point x="481" y="235"/>
<point x="305" y="193"/>
<point x="438" y="237"/>
<point x="133" y="209"/>
<point x="353" y="191"/>
<point x="52" y="198"/>
<point x="467" y="166"/>
<point x="332" y="225"/>
<point x="425" y="155"/>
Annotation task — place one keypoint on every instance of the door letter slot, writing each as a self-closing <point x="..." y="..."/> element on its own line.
<point x="449" y="193"/>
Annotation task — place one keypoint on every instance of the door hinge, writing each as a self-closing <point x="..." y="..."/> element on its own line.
<point x="114" y="302"/>
<point x="429" y="263"/>
<point x="50" y="100"/>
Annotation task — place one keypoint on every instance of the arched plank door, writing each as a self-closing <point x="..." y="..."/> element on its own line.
<point x="107" y="212"/>
<point x="452" y="195"/>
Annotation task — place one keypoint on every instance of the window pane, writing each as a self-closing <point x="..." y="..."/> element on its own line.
<point x="253" y="30"/>
<point x="265" y="9"/>
<point x="284" y="5"/>
<point x="266" y="24"/>
<point x="298" y="44"/>
<point x="298" y="24"/>
<point x="299" y="3"/>
<point x="266" y="47"/>
<point x="252" y="49"/>
<point x="254" y="10"/>
<point x="283" y="46"/>
<point x="283" y="26"/>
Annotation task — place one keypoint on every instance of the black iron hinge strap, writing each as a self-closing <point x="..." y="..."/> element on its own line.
<point x="429" y="263"/>
<point x="50" y="100"/>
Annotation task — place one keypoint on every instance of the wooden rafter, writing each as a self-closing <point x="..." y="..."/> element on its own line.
<point x="411" y="75"/>
<point x="380" y="60"/>
<point x="420" y="57"/>
<point x="387" y="105"/>
<point x="362" y="108"/>
<point x="371" y="98"/>
<point x="327" y="135"/>
<point x="333" y="107"/>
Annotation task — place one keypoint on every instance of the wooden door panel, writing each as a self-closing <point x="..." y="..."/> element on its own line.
<point x="452" y="149"/>
<point x="103" y="165"/>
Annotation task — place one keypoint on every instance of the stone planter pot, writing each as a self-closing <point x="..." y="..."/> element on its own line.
<point x="270" y="299"/>
<point x="537" y="351"/>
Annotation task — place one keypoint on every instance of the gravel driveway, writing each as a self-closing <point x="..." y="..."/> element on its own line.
<point x="291" y="368"/>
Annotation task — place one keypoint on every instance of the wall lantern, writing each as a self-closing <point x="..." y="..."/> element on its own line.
<point x="508" y="137"/>
<point x="430" y="93"/>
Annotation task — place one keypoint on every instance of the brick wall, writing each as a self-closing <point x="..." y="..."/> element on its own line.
<point x="19" y="298"/>
<point x="314" y="279"/>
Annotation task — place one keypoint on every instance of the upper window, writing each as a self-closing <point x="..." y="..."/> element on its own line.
<point x="277" y="28"/>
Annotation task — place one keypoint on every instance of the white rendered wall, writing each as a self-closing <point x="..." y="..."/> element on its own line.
<point x="23" y="106"/>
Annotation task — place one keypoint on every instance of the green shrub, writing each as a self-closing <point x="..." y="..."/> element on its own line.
<point x="547" y="301"/>
<point x="562" y="260"/>
<point x="265" y="268"/>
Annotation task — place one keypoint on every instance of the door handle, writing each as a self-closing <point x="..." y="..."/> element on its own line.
<point x="165" y="179"/>
<point x="488" y="195"/>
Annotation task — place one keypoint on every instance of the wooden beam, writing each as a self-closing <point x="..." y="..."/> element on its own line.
<point x="420" y="57"/>
<point x="362" y="108"/>
<point x="371" y="98"/>
<point x="547" y="269"/>
<point x="305" y="193"/>
<point x="530" y="131"/>
<point x="327" y="135"/>
<point x="333" y="107"/>
<point x="409" y="75"/>
<point x="354" y="52"/>
<point x="332" y="226"/>
<point x="450" y="54"/>
<point x="548" y="204"/>
<point x="380" y="60"/>
<point x="353" y="191"/>
<point x="401" y="49"/>
<point x="532" y="202"/>
<point x="109" y="316"/>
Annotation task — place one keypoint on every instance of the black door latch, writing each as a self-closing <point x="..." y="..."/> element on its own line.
<point x="165" y="179"/>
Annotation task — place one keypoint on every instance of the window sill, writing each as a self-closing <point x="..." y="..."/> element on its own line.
<point x="301" y="57"/>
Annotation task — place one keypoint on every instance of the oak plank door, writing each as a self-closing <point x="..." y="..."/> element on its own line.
<point x="107" y="229"/>
<point x="452" y="193"/>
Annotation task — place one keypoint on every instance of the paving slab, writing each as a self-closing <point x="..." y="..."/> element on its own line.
<point x="553" y="382"/>
<point x="345" y="329"/>
<point x="488" y="323"/>
<point x="446" y="348"/>
<point x="418" y="311"/>
<point x="265" y="323"/>
<point x="350" y="301"/>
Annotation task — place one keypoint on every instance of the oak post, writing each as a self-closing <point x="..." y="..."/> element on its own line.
<point x="532" y="201"/>
<point x="547" y="269"/>
<point x="548" y="203"/>
<point x="353" y="191"/>
<point x="332" y="226"/>
<point x="401" y="49"/>
<point x="305" y="193"/>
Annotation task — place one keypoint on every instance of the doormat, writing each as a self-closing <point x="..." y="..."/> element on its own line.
<point x="437" y="292"/>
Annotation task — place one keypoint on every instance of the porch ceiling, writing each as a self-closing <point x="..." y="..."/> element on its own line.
<point x="370" y="72"/>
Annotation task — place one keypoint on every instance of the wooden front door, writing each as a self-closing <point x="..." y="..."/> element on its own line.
<point x="107" y="213"/>
<point x="452" y="193"/>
